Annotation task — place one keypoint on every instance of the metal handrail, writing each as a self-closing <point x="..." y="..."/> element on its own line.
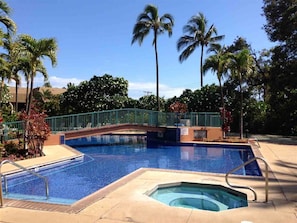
<point x="247" y="187"/>
<point x="25" y="169"/>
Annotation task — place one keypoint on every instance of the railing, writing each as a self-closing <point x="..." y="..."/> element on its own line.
<point x="25" y="169"/>
<point x="120" y="116"/>
<point x="247" y="187"/>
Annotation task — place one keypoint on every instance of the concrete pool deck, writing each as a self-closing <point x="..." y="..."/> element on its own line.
<point x="125" y="200"/>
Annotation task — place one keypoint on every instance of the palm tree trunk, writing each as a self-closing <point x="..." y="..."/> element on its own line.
<point x="201" y="69"/>
<point x="241" y="109"/>
<point x="1" y="92"/>
<point x="157" y="70"/>
<point x="223" y="106"/>
<point x="27" y="95"/>
<point x="30" y="96"/>
<point x="16" y="97"/>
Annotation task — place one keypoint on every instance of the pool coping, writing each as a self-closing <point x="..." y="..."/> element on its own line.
<point x="128" y="203"/>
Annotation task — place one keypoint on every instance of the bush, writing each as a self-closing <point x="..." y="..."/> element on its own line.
<point x="11" y="148"/>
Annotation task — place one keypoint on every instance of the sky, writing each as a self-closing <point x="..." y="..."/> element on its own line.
<point x="94" y="38"/>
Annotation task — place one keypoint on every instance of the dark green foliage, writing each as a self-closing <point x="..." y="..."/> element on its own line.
<point x="99" y="93"/>
<point x="47" y="101"/>
<point x="10" y="148"/>
<point x="149" y="102"/>
<point x="207" y="99"/>
<point x="282" y="80"/>
<point x="282" y="22"/>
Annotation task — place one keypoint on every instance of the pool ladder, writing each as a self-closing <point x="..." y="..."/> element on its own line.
<point x="25" y="169"/>
<point x="247" y="187"/>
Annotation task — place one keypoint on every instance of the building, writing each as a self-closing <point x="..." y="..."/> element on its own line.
<point x="21" y="98"/>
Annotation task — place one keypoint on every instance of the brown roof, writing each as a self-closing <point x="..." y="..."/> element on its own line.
<point x="22" y="92"/>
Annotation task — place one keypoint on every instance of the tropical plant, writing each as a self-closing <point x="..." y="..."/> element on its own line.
<point x="99" y="93"/>
<point x="4" y="76"/>
<point x="150" y="20"/>
<point x="149" y="102"/>
<point x="13" y="61"/>
<point x="11" y="29"/>
<point x="34" y="51"/>
<point x="197" y="35"/>
<point x="281" y="20"/>
<point x="242" y="65"/>
<point x="47" y="101"/>
<point x="218" y="62"/>
<point x="36" y="128"/>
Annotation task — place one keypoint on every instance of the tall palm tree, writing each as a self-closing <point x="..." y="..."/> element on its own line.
<point x="198" y="35"/>
<point x="12" y="57"/>
<point x="35" y="50"/>
<point x="150" y="20"/>
<point x="11" y="29"/>
<point x="218" y="63"/>
<point x="242" y="65"/>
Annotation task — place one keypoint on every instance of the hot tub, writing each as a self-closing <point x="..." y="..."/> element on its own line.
<point x="207" y="197"/>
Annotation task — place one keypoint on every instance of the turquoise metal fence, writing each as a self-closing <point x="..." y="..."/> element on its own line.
<point x="122" y="116"/>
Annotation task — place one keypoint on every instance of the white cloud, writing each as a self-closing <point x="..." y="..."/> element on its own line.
<point x="62" y="82"/>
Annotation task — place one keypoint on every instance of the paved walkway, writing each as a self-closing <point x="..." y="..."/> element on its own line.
<point x="126" y="201"/>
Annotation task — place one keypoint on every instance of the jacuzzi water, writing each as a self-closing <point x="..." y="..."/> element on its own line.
<point x="200" y="196"/>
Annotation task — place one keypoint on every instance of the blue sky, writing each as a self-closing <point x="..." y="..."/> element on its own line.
<point x="94" y="38"/>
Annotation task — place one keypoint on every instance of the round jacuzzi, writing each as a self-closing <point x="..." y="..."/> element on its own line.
<point x="199" y="196"/>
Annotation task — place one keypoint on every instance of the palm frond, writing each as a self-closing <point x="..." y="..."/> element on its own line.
<point x="187" y="52"/>
<point x="152" y="11"/>
<point x="140" y="31"/>
<point x="4" y="7"/>
<point x="9" y="24"/>
<point x="185" y="41"/>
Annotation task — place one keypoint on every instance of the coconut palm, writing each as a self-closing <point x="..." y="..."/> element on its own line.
<point x="242" y="65"/>
<point x="34" y="51"/>
<point x="150" y="20"/>
<point x="197" y="35"/>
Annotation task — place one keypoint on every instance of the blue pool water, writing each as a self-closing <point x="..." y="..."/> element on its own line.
<point x="103" y="164"/>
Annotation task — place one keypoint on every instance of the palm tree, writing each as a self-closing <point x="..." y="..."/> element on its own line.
<point x="198" y="35"/>
<point x="4" y="75"/>
<point x="218" y="62"/>
<point x="12" y="57"/>
<point x="242" y="65"/>
<point x="150" y="20"/>
<point x="11" y="29"/>
<point x="34" y="51"/>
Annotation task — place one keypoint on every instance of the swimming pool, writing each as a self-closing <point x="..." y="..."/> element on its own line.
<point x="101" y="165"/>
